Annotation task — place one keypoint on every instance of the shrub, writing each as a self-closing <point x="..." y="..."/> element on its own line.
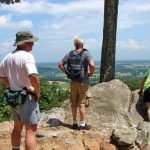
<point x="133" y="84"/>
<point x="52" y="95"/>
<point x="5" y="113"/>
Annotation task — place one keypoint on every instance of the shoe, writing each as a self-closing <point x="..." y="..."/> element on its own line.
<point x="75" y="126"/>
<point x="86" y="127"/>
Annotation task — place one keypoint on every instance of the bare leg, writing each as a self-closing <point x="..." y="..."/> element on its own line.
<point x="74" y="113"/>
<point x="82" y="112"/>
<point x="148" y="111"/>
<point x="16" y="134"/>
<point x="30" y="139"/>
<point x="74" y="100"/>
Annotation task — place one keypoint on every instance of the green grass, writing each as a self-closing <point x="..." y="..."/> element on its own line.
<point x="65" y="85"/>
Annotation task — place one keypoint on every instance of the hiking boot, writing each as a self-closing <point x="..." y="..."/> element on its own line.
<point x="86" y="127"/>
<point x="75" y="126"/>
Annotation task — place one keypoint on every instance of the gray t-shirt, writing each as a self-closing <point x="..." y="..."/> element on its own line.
<point x="86" y="57"/>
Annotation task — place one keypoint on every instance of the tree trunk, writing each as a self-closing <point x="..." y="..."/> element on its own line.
<point x="107" y="69"/>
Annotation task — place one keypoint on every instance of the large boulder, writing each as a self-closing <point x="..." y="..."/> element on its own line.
<point x="112" y="104"/>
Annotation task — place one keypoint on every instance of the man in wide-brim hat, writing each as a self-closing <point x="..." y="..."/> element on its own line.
<point x="19" y="73"/>
<point x="23" y="37"/>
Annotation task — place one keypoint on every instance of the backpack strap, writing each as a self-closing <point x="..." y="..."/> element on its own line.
<point x="71" y="53"/>
<point x="80" y="53"/>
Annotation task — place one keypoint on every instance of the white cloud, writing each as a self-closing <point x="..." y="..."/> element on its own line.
<point x="78" y="6"/>
<point x="56" y="26"/>
<point x="24" y="7"/>
<point x="5" y="46"/>
<point x="7" y="22"/>
<point x="68" y="18"/>
<point x="43" y="6"/>
<point x="145" y="7"/>
<point x="4" y="20"/>
<point x="71" y="25"/>
<point x="91" y="41"/>
<point x="132" y="13"/>
<point x="131" y="44"/>
<point x="25" y="23"/>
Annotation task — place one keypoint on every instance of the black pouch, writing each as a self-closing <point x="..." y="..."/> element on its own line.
<point x="13" y="98"/>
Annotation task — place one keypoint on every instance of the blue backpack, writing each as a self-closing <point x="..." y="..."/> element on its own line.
<point x="75" y="69"/>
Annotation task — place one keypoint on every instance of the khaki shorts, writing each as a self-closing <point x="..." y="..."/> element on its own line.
<point x="78" y="93"/>
<point x="28" y="112"/>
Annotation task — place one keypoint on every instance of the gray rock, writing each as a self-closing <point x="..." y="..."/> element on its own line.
<point x="124" y="136"/>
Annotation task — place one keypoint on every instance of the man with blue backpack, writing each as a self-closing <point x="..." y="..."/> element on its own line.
<point x="78" y="65"/>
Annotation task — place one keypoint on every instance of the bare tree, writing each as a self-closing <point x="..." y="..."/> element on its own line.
<point x="107" y="69"/>
<point x="10" y="1"/>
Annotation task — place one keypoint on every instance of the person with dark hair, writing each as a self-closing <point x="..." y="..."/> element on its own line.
<point x="80" y="66"/>
<point x="19" y="73"/>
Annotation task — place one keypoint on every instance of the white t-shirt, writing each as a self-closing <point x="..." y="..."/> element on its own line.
<point x="17" y="66"/>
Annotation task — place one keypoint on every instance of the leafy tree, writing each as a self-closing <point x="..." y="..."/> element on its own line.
<point x="107" y="70"/>
<point x="10" y="1"/>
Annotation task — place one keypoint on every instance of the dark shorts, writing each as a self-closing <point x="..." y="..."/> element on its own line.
<point x="147" y="95"/>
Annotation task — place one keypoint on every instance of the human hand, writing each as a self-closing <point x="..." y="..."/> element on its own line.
<point x="89" y="74"/>
<point x="30" y="89"/>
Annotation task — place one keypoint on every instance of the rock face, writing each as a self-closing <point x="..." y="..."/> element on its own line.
<point x="115" y="113"/>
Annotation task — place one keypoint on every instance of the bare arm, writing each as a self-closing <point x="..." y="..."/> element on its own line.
<point x="92" y="67"/>
<point x="5" y="81"/>
<point x="35" y="82"/>
<point x="61" y="66"/>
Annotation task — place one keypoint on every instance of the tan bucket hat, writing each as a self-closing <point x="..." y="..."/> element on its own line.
<point x="23" y="37"/>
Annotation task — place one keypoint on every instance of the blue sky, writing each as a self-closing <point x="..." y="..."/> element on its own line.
<point x="57" y="22"/>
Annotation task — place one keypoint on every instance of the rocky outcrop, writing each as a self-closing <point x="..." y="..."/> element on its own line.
<point x="60" y="138"/>
<point x="115" y="113"/>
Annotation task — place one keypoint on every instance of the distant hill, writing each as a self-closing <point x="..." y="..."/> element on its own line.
<point x="125" y="70"/>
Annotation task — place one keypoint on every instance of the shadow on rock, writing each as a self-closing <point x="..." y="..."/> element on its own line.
<point x="141" y="108"/>
<point x="53" y="122"/>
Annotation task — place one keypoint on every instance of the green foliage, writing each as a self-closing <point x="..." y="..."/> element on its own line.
<point x="133" y="84"/>
<point x="4" y="109"/>
<point x="52" y="95"/>
<point x="10" y="1"/>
